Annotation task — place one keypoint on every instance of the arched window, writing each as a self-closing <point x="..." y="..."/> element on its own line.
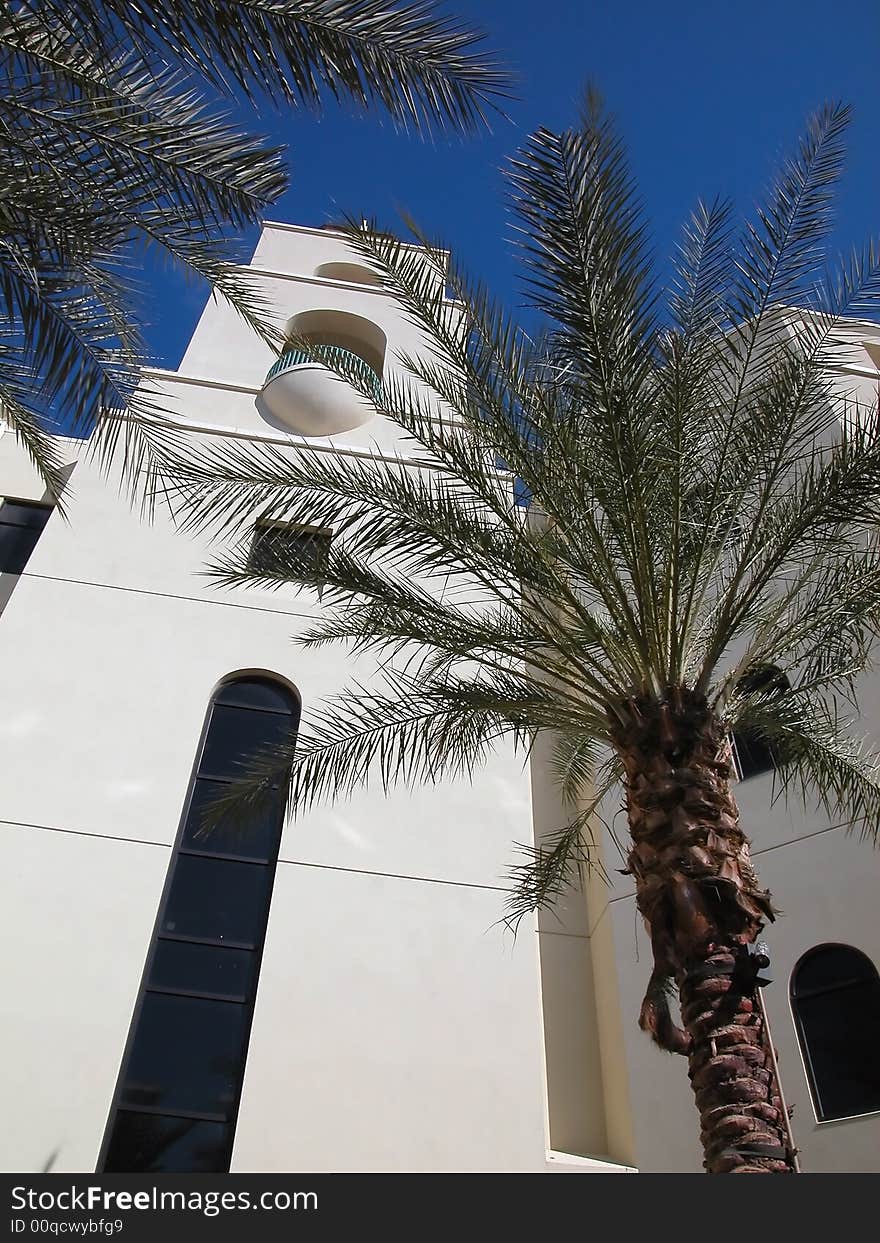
<point x="752" y="752"/>
<point x="177" y="1096"/>
<point x="835" y="998"/>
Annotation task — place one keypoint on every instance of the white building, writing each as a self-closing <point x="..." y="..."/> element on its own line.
<point x="396" y="1026"/>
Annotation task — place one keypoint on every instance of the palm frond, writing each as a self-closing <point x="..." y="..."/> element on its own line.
<point x="820" y="759"/>
<point x="426" y="70"/>
<point x="561" y="859"/>
<point x="40" y="446"/>
<point x="110" y="144"/>
<point x="700" y="503"/>
<point x="398" y="731"/>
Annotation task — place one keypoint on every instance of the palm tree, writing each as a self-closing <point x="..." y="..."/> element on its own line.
<point x="652" y="528"/>
<point x="116" y="138"/>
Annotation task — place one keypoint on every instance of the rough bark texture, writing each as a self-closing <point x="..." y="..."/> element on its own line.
<point x="702" y="905"/>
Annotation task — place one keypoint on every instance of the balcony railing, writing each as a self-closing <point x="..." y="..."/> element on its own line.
<point x="336" y="357"/>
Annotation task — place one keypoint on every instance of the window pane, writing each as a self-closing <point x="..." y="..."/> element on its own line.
<point x="203" y="969"/>
<point x="257" y="694"/>
<point x="187" y="1054"/>
<point x="235" y="734"/>
<point x="765" y="678"/>
<point x="16" y="546"/>
<point x="829" y="966"/>
<point x="253" y="833"/>
<point x="152" y="1143"/>
<point x="284" y="551"/>
<point x="753" y="755"/>
<point x="841" y="1031"/>
<point x="15" y="513"/>
<point x="217" y="900"/>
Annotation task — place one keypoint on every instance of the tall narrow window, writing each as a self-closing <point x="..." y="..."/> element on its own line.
<point x="21" y="525"/>
<point x="177" y="1097"/>
<point x="835" y="998"/>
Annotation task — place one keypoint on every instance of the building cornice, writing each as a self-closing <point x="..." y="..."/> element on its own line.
<point x="335" y="231"/>
<point x="302" y="278"/>
<point x="330" y="282"/>
<point x="163" y="373"/>
<point x="289" y="440"/>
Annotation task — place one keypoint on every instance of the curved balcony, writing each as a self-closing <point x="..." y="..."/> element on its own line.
<point x="306" y="396"/>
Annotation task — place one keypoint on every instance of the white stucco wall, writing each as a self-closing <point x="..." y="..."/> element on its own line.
<point x="396" y="1025"/>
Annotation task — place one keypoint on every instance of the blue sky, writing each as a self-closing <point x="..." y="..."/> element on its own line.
<point x="709" y="94"/>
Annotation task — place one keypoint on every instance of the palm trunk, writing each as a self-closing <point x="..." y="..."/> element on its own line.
<point x="743" y="1129"/>
<point x="701" y="902"/>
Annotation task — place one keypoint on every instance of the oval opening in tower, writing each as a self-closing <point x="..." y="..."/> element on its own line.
<point x="342" y="330"/>
<point x="328" y="377"/>
<point x="354" y="273"/>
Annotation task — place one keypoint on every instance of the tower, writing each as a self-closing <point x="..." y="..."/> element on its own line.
<point x="392" y="1026"/>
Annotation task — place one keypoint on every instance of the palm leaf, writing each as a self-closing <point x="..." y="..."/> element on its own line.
<point x="111" y="143"/>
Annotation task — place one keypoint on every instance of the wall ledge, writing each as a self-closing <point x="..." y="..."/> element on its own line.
<point x="570" y="1163"/>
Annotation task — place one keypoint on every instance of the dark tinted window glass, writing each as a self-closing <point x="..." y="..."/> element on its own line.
<point x="16" y="546"/>
<point x="186" y="1055"/>
<point x="157" y="1144"/>
<point x="829" y="967"/>
<point x="765" y="678"/>
<point x="188" y="1047"/>
<point x="836" y="1002"/>
<point x="753" y="755"/>
<point x="252" y="833"/>
<point x="235" y="735"/>
<point x="255" y="694"/>
<point x="842" y="1030"/>
<point x="20" y="527"/>
<point x="203" y="969"/>
<point x="18" y="513"/>
<point x="287" y="551"/>
<point x="212" y="899"/>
